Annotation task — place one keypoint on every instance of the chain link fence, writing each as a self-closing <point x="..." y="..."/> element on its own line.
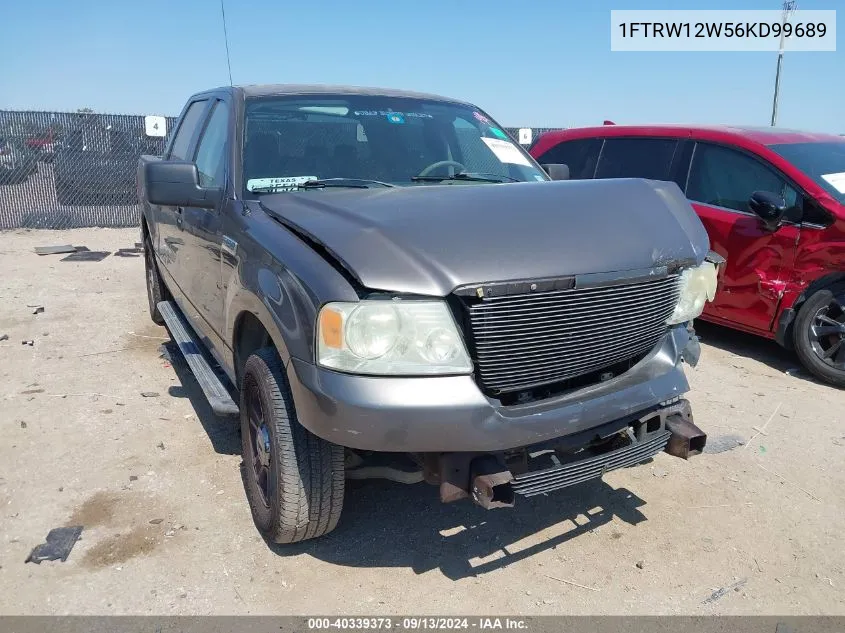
<point x="61" y="170"/>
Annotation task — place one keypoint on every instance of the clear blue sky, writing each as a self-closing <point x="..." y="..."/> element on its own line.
<point x="535" y="63"/>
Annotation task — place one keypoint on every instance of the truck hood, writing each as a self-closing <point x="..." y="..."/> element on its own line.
<point x="431" y="239"/>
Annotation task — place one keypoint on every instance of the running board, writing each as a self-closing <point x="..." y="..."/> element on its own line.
<point x="183" y="335"/>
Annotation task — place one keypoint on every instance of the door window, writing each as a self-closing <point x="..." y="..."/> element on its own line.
<point x="211" y="152"/>
<point x="636" y="158"/>
<point x="579" y="155"/>
<point x="724" y="177"/>
<point x="185" y="133"/>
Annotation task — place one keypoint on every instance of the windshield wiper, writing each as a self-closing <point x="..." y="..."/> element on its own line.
<point x="473" y="176"/>
<point x="358" y="183"/>
<point x="352" y="183"/>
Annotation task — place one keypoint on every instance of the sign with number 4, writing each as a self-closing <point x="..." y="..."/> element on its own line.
<point x="155" y="125"/>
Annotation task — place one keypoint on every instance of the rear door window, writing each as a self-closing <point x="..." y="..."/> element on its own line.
<point x="724" y="177"/>
<point x="579" y="155"/>
<point x="636" y="158"/>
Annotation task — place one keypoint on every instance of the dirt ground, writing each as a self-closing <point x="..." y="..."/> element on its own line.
<point x="155" y="482"/>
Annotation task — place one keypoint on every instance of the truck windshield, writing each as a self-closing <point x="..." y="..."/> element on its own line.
<point x="387" y="140"/>
<point x="823" y="162"/>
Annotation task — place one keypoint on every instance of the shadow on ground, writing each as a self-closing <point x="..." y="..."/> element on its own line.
<point x="757" y="348"/>
<point x="394" y="525"/>
<point x="223" y="432"/>
<point x="385" y="524"/>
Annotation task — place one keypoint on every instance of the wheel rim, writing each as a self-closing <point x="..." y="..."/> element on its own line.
<point x="827" y="333"/>
<point x="259" y="442"/>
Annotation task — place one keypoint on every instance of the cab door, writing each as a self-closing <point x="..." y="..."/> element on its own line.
<point x="202" y="229"/>
<point x="170" y="219"/>
<point x="721" y="181"/>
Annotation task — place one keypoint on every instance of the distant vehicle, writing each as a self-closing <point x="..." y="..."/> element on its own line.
<point x="17" y="161"/>
<point x="773" y="203"/>
<point x="43" y="145"/>
<point x="95" y="165"/>
<point x="382" y="273"/>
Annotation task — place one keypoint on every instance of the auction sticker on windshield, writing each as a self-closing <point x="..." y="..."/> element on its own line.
<point x="287" y="183"/>
<point x="506" y="151"/>
<point x="837" y="181"/>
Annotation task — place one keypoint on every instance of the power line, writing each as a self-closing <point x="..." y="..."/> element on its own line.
<point x="226" y="39"/>
<point x="789" y="7"/>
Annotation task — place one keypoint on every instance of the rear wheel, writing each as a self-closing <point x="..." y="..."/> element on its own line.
<point x="820" y="335"/>
<point x="294" y="480"/>
<point x="156" y="290"/>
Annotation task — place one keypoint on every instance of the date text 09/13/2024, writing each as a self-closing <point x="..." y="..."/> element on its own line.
<point x="417" y="623"/>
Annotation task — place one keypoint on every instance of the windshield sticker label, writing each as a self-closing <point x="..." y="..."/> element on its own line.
<point x="497" y="132"/>
<point x="386" y="113"/>
<point x="506" y="151"/>
<point x="481" y="117"/>
<point x="539" y="178"/>
<point x="837" y="181"/>
<point x="395" y="117"/>
<point x="286" y="183"/>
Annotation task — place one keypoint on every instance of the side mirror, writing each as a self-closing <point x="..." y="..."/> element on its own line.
<point x="557" y="171"/>
<point x="175" y="183"/>
<point x="769" y="207"/>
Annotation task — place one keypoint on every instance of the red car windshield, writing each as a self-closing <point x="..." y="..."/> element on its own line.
<point x="823" y="162"/>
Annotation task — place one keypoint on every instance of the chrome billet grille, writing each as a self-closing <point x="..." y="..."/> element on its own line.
<point x="526" y="341"/>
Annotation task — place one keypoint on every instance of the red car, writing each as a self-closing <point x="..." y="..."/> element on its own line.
<point x="773" y="203"/>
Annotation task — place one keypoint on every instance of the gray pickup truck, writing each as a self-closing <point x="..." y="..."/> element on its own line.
<point x="383" y="284"/>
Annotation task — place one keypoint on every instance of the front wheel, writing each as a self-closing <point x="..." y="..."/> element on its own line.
<point x="294" y="480"/>
<point x="156" y="290"/>
<point x="819" y="333"/>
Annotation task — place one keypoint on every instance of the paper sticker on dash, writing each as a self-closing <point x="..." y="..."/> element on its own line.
<point x="286" y="183"/>
<point x="837" y="181"/>
<point x="506" y="151"/>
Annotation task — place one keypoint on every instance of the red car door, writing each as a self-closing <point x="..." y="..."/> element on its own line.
<point x="721" y="181"/>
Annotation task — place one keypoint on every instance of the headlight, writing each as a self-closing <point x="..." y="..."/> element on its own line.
<point x="698" y="285"/>
<point x="391" y="338"/>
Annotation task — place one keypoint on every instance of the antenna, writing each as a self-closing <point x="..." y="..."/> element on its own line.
<point x="789" y="7"/>
<point x="226" y="39"/>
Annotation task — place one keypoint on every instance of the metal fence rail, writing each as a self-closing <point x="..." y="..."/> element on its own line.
<point x="62" y="170"/>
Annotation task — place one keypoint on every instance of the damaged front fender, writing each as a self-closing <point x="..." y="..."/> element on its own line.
<point x="692" y="350"/>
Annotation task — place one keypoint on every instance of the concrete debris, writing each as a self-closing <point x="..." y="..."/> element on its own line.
<point x="55" y="250"/>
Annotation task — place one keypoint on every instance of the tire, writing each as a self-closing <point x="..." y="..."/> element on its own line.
<point x="823" y="355"/>
<point x="294" y="480"/>
<point x="156" y="290"/>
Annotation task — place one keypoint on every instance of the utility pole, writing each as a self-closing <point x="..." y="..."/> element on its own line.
<point x="789" y="7"/>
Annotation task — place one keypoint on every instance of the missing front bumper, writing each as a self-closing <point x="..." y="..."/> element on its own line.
<point x="492" y="480"/>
